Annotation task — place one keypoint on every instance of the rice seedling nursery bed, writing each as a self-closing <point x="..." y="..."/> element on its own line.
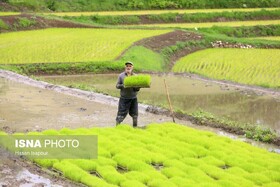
<point x="167" y="155"/>
<point x="249" y="66"/>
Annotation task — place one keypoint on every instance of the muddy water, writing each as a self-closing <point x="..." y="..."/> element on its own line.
<point x="27" y="108"/>
<point x="189" y="95"/>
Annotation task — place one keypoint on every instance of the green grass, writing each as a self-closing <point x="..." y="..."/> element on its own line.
<point x="150" y="12"/>
<point x="9" y="13"/>
<point x="142" y="81"/>
<point x="211" y="24"/>
<point x="68" y="45"/>
<point x="144" y="59"/>
<point x="216" y="160"/>
<point x="248" y="66"/>
<point x="3" y="25"/>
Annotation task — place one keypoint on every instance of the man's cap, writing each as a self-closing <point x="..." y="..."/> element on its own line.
<point x="128" y="62"/>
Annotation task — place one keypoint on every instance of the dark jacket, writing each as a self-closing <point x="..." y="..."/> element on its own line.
<point x="126" y="93"/>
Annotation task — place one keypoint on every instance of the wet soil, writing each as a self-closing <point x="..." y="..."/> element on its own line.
<point x="17" y="171"/>
<point x="157" y="43"/>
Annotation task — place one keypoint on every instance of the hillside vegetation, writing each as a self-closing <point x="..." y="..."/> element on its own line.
<point x="97" y="5"/>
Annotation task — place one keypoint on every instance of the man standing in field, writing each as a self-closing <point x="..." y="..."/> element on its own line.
<point x="128" y="100"/>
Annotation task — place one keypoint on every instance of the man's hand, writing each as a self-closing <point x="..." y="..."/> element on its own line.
<point x="120" y="86"/>
<point x="136" y="89"/>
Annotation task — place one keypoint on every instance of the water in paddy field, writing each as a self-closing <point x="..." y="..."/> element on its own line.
<point x="190" y="95"/>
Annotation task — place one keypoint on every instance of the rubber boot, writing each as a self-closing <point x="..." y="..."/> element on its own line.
<point x="134" y="119"/>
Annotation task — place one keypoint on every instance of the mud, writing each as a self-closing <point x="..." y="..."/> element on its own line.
<point x="157" y="43"/>
<point x="47" y="106"/>
<point x="16" y="171"/>
<point x="189" y="94"/>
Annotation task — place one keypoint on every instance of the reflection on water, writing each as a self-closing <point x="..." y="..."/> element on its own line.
<point x="190" y="95"/>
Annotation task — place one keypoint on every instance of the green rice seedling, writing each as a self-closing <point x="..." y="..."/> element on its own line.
<point x="213" y="161"/>
<point x="104" y="153"/>
<point x="236" y="171"/>
<point x="250" y="66"/>
<point x="66" y="131"/>
<point x="87" y="165"/>
<point x="183" y="182"/>
<point x="170" y="172"/>
<point x="154" y="174"/>
<point x="50" y="132"/>
<point x="238" y="180"/>
<point x="273" y="175"/>
<point x="257" y="178"/>
<point x="272" y="184"/>
<point x="157" y="158"/>
<point x="225" y="183"/>
<point x="139" y="154"/>
<point x="161" y="183"/>
<point x="55" y="45"/>
<point x="134" y="183"/>
<point x="111" y="175"/>
<point x="70" y="171"/>
<point x="34" y="133"/>
<point x="140" y="81"/>
<point x="46" y="163"/>
<point x="94" y="181"/>
<point x="199" y="176"/>
<point x="102" y="161"/>
<point x="131" y="164"/>
<point x="251" y="167"/>
<point x="213" y="171"/>
<point x="138" y="176"/>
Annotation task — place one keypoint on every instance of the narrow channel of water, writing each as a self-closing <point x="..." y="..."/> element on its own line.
<point x="189" y="95"/>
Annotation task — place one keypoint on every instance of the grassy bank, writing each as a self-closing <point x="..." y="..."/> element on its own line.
<point x="166" y="155"/>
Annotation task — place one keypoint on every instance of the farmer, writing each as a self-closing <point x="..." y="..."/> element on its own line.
<point x="128" y="101"/>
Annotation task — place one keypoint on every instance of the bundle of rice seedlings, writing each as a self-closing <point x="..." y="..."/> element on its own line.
<point x="161" y="183"/>
<point x="50" y="132"/>
<point x="213" y="161"/>
<point x="70" y="171"/>
<point x="172" y="172"/>
<point x="94" y="181"/>
<point x="140" y="81"/>
<point x="46" y="163"/>
<point x="134" y="183"/>
<point x="110" y="174"/>
<point x="183" y="182"/>
<point x="138" y="176"/>
<point x="257" y="178"/>
<point x="87" y="165"/>
<point x="236" y="171"/>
